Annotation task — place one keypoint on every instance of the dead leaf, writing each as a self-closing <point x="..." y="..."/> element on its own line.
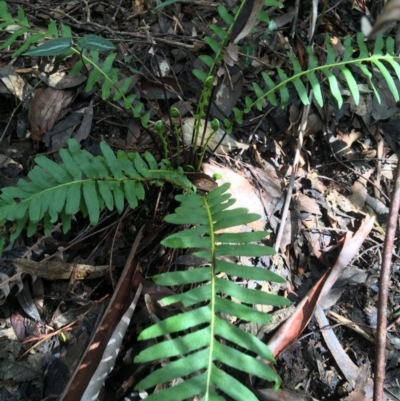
<point x="295" y="325"/>
<point x="45" y="109"/>
<point x="116" y="308"/>
<point x="246" y="20"/>
<point x="58" y="270"/>
<point x="242" y="190"/>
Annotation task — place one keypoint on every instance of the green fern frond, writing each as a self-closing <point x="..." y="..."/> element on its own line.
<point x="199" y="352"/>
<point x="337" y="72"/>
<point x="82" y="182"/>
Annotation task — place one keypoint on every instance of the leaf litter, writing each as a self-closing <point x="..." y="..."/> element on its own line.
<point x="331" y="203"/>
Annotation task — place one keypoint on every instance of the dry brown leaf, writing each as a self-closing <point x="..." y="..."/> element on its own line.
<point x="242" y="190"/>
<point x="58" y="270"/>
<point x="45" y="109"/>
<point x="295" y="325"/>
<point x="246" y="20"/>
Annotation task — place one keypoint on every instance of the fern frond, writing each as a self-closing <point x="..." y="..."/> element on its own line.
<point x="57" y="41"/>
<point x="82" y="182"/>
<point x="199" y="351"/>
<point x="383" y="58"/>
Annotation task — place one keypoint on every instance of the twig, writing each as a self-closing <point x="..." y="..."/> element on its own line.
<point x="380" y="357"/>
<point x="289" y="193"/>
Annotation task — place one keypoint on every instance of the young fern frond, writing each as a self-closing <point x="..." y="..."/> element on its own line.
<point x="382" y="57"/>
<point x="82" y="182"/>
<point x="58" y="41"/>
<point x="196" y="348"/>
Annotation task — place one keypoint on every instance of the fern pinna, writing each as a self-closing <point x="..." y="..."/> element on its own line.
<point x="82" y="182"/>
<point x="197" y="350"/>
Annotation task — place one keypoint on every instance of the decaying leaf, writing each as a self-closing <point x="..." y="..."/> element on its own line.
<point x="246" y="20"/>
<point x="45" y="109"/>
<point x="58" y="270"/>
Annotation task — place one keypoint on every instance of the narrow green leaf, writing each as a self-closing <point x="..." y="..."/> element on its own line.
<point x="47" y="224"/>
<point x="53" y="169"/>
<point x="106" y="194"/>
<point x="122" y="89"/>
<point x="110" y="81"/>
<point x="316" y="87"/>
<point x="128" y="101"/>
<point x="119" y="198"/>
<point x="59" y="196"/>
<point x="70" y="164"/>
<point x="215" y="46"/>
<point x="283" y="91"/>
<point x="107" y="65"/>
<point x="348" y="48"/>
<point x="368" y="74"/>
<point x="34" y="209"/>
<point x="335" y="91"/>
<point x="244" y="312"/>
<point x="46" y="200"/>
<point x="22" y="20"/>
<point x="247" y="295"/>
<point x="378" y="46"/>
<point x="29" y="41"/>
<point x="246" y="340"/>
<point x="66" y="221"/>
<point x="177" y="323"/>
<point x="218" y="31"/>
<point x="91" y="201"/>
<point x="182" y="391"/>
<point x="95" y="42"/>
<point x="178" y="346"/>
<point x="73" y="198"/>
<point x="20" y="210"/>
<point x="19" y="227"/>
<point x="179" y="368"/>
<point x="4" y="14"/>
<point x="66" y="31"/>
<point x="388" y="78"/>
<point x="32" y="228"/>
<point x="197" y="275"/>
<point x="207" y="60"/>
<point x="271" y="87"/>
<point x="190" y="238"/>
<point x="223" y="13"/>
<point x="53" y="47"/>
<point x="201" y="75"/>
<point x="246" y="363"/>
<point x="191" y="297"/>
<point x="76" y="69"/>
<point x="52" y="29"/>
<point x="259" y="93"/>
<point x="12" y="38"/>
<point x="241" y="237"/>
<point x="130" y="195"/>
<point x="229" y="385"/>
<point x="250" y="273"/>
<point x="111" y="160"/>
<point x="93" y="79"/>
<point x="351" y="82"/>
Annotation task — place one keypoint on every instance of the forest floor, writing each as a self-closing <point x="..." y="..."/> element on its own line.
<point x="344" y="176"/>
